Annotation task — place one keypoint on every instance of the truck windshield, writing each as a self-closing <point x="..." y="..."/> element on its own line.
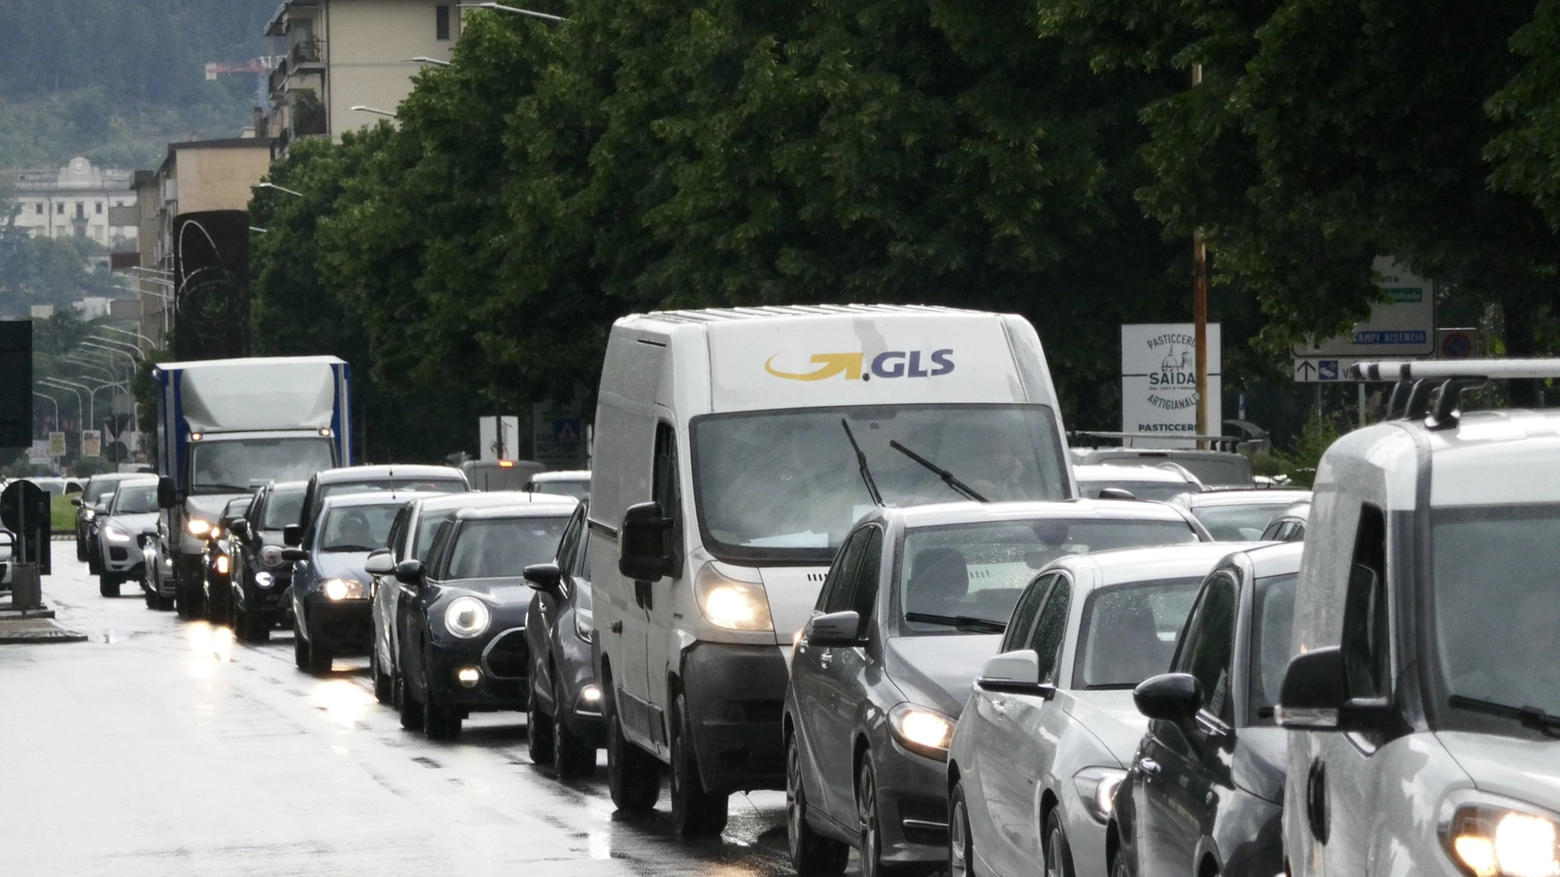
<point x="785" y="485"/>
<point x="1496" y="610"/>
<point x="245" y="464"/>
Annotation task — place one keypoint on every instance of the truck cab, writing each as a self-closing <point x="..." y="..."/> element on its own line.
<point x="1423" y="694"/>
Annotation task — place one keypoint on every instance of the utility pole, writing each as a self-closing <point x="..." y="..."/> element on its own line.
<point x="1200" y="311"/>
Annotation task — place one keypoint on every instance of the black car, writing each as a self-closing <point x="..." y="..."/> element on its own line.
<point x="564" y="723"/>
<point x="96" y="492"/>
<point x="217" y="560"/>
<point x="357" y="479"/>
<point x="258" y="598"/>
<point x="1204" y="793"/>
<point x="914" y="603"/>
<point x="461" y="618"/>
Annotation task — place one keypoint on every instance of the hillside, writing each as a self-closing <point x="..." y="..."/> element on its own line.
<point x="116" y="80"/>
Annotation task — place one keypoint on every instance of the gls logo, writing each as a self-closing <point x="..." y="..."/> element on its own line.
<point x="889" y="364"/>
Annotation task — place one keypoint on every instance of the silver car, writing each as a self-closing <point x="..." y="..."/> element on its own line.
<point x="131" y="515"/>
<point x="1050" y="726"/>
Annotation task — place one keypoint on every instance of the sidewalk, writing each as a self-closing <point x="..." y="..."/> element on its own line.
<point x="32" y="625"/>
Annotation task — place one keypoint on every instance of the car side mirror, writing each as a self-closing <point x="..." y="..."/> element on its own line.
<point x="409" y="572"/>
<point x="644" y="549"/>
<point x="292" y="534"/>
<point x="1315" y="696"/>
<point x="294" y="554"/>
<point x="836" y="629"/>
<point x="544" y="577"/>
<point x="240" y="528"/>
<point x="76" y="501"/>
<point x="167" y="494"/>
<point x="1014" y="673"/>
<point x="380" y="563"/>
<point x="1116" y="493"/>
<point x="1169" y="697"/>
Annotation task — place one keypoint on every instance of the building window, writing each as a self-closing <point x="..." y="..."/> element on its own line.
<point x="81" y="210"/>
<point x="441" y="28"/>
<point x="39" y="207"/>
<point x="60" y="208"/>
<point x="99" y="206"/>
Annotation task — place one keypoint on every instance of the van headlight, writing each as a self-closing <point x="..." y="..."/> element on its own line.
<point x="198" y="527"/>
<point x="467" y="617"/>
<point x="1097" y="790"/>
<point x="922" y="730"/>
<point x="337" y="590"/>
<point x="732" y="604"/>
<point x="1490" y="839"/>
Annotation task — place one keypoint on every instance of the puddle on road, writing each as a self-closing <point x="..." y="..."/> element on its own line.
<point x="345" y="702"/>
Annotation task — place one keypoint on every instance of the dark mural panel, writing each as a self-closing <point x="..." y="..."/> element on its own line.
<point x="211" y="268"/>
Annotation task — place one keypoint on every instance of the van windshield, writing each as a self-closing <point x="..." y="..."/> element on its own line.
<point x="1497" y="616"/>
<point x="785" y="485"/>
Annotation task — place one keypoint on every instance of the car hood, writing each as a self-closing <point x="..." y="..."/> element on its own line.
<point x="138" y="523"/>
<point x="342" y="565"/>
<point x="1111" y="716"/>
<point x="1260" y="760"/>
<point x="1527" y="770"/>
<point x="939" y="668"/>
<point x="501" y="590"/>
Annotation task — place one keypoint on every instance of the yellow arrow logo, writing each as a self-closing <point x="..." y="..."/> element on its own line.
<point x="829" y="365"/>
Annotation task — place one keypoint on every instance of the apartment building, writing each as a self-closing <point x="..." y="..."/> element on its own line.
<point x="337" y="54"/>
<point x="77" y="200"/>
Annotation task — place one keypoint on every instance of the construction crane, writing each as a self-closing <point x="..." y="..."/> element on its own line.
<point x="261" y="67"/>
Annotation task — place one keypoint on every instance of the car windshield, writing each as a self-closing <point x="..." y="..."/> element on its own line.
<point x="245" y="464"/>
<point x="575" y="487"/>
<point x="503" y="547"/>
<point x="358" y="527"/>
<point x="977" y="571"/>
<point x="1272" y="618"/>
<point x="139" y="499"/>
<point x="97" y="490"/>
<point x="1496" y="610"/>
<point x="786" y="485"/>
<point x="283" y="507"/>
<point x="1147" y="490"/>
<point x="1238" y="523"/>
<point x="1128" y="632"/>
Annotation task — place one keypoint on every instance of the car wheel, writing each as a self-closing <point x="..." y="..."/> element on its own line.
<point x="695" y="812"/>
<point x="300" y="648"/>
<point x="409" y="709"/>
<point x="1120" y="865"/>
<point x="633" y="775"/>
<point x="108" y="585"/>
<point x="538" y="733"/>
<point x="187" y="601"/>
<point x="153" y="602"/>
<point x="320" y="659"/>
<point x="81" y="549"/>
<point x="381" y="678"/>
<point x="572" y="756"/>
<point x="161" y="603"/>
<point x="811" y="853"/>
<point x="1058" y="853"/>
<point x="961" y="846"/>
<point x="870" y="838"/>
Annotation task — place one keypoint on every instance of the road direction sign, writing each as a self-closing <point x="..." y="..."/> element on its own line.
<point x="1323" y="369"/>
<point x="1405" y="327"/>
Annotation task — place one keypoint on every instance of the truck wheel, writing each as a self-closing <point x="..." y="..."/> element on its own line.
<point x="572" y="756"/>
<point x="108" y="585"/>
<point x="811" y="853"/>
<point x="695" y="812"/>
<point x="633" y="775"/>
<point x="539" y="738"/>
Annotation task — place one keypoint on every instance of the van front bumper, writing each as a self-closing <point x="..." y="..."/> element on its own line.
<point x="736" y="697"/>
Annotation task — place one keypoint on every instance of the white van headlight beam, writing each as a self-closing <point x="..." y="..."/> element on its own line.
<point x="731" y="604"/>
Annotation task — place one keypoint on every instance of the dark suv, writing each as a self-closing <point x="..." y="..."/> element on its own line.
<point x="258" y="599"/>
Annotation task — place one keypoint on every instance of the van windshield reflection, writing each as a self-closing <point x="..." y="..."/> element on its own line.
<point x="786" y="484"/>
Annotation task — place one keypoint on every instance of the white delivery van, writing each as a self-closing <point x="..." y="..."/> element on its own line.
<point x="1423" y="694"/>
<point x="727" y="473"/>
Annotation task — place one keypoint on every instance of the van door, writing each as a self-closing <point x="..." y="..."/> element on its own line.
<point x="658" y="599"/>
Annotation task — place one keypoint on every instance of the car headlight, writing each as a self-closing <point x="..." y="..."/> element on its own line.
<point x="88" y="514"/>
<point x="264" y="579"/>
<point x="222" y="564"/>
<point x="1490" y="839"/>
<point x="197" y="527"/>
<point x="921" y="730"/>
<point x="1097" y="790"/>
<point x="343" y="589"/>
<point x="116" y="533"/>
<point x="467" y="617"/>
<point x="732" y="604"/>
<point x="271" y="555"/>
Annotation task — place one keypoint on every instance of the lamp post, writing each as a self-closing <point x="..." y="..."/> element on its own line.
<point x="424" y="59"/>
<point x="375" y="110"/>
<point x="115" y="345"/>
<point x="94" y="365"/>
<point x="59" y="384"/>
<point x="270" y="185"/>
<point x="129" y="370"/>
<point x="56" y="405"/>
<point x="498" y="7"/>
<point x="138" y="335"/>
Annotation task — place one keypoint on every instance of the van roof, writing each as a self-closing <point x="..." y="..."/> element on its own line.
<point x="725" y="315"/>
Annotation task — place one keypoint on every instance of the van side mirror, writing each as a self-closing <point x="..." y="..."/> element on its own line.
<point x="380" y="563"/>
<point x="1169" y="697"/>
<point x="834" y="630"/>
<point x="1015" y="672"/>
<point x="292" y="534"/>
<point x="644" y="543"/>
<point x="409" y="572"/>
<point x="1315" y="696"/>
<point x="167" y="494"/>
<point x="544" y="577"/>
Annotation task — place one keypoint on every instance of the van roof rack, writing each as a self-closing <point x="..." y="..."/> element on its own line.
<point x="1416" y="380"/>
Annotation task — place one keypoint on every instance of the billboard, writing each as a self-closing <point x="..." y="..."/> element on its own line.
<point x="1159" y="382"/>
<point x="211" y="276"/>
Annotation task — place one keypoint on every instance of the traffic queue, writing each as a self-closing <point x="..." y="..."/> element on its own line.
<point x="846" y="552"/>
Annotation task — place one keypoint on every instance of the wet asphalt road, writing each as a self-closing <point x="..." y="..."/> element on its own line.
<point x="162" y="747"/>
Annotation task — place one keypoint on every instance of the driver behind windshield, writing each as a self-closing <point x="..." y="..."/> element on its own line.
<point x="358" y="528"/>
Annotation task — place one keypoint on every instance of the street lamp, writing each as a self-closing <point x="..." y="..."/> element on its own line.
<point x="96" y="366"/>
<point x="375" y="110"/>
<point x="269" y="185"/>
<point x="130" y="333"/>
<point x="56" y="406"/>
<point x="60" y="384"/>
<point x="101" y="340"/>
<point x="424" y="59"/>
<point x="497" y="7"/>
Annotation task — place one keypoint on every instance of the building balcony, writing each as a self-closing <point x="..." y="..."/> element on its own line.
<point x="307" y="53"/>
<point x="278" y="76"/>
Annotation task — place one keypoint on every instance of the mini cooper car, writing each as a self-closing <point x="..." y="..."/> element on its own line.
<point x="462" y="618"/>
<point x="915" y="601"/>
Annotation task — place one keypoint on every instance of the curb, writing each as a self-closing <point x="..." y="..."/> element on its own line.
<point x="51" y="634"/>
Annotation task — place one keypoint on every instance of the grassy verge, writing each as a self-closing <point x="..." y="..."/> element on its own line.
<point x="62" y="515"/>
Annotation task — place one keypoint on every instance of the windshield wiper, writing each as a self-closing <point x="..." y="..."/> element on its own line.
<point x="861" y="463"/>
<point x="349" y="548"/>
<point x="1530" y="716"/>
<point x="222" y="488"/>
<point x="962" y="622"/>
<point x="953" y="483"/>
